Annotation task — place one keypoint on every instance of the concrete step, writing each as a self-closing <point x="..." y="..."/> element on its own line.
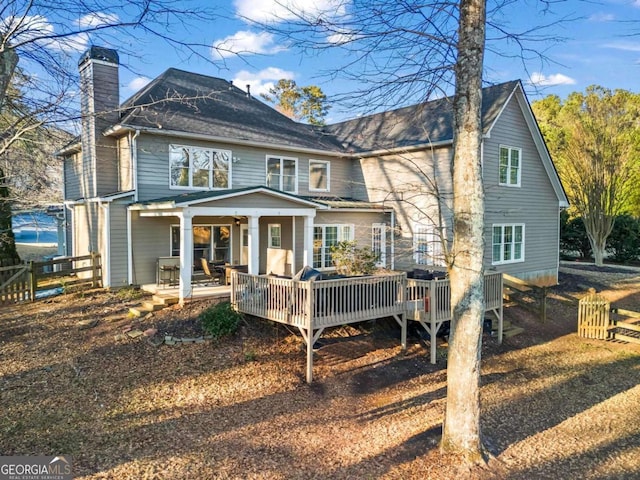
<point x="512" y="331"/>
<point x="165" y="299"/>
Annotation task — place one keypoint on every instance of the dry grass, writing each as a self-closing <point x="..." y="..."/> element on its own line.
<point x="554" y="405"/>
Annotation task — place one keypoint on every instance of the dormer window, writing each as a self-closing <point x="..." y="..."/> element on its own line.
<point x="510" y="166"/>
<point x="199" y="168"/>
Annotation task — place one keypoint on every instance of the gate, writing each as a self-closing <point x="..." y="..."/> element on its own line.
<point x="593" y="316"/>
<point x="15" y="284"/>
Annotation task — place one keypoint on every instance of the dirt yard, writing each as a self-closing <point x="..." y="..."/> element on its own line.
<point x="553" y="405"/>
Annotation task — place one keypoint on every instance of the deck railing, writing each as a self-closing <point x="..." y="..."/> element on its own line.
<point x="313" y="306"/>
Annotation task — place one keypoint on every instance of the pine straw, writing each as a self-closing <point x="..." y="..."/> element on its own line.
<point x="554" y="405"/>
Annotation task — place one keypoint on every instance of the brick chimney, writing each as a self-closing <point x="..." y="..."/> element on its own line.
<point x="99" y="102"/>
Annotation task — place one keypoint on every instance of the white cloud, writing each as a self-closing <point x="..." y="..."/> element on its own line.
<point x="602" y="17"/>
<point x="542" y="80"/>
<point x="340" y="38"/>
<point x="261" y="81"/>
<point x="137" y="83"/>
<point x="626" y="46"/>
<point x="283" y="10"/>
<point x="27" y="29"/>
<point x="245" y="42"/>
<point x="98" y="19"/>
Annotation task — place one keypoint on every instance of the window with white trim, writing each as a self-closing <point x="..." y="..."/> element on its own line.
<point x="212" y="242"/>
<point x="275" y="235"/>
<point x="427" y="245"/>
<point x="282" y="174"/>
<point x="326" y="236"/>
<point x="508" y="243"/>
<point x="199" y="168"/>
<point x="510" y="166"/>
<point x="319" y="171"/>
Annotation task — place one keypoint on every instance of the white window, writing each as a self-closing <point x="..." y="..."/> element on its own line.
<point x="379" y="243"/>
<point x="510" y="166"/>
<point x="275" y="235"/>
<point x="427" y="245"/>
<point x="199" y="168"/>
<point x="326" y="236"/>
<point x="282" y="174"/>
<point x="212" y="242"/>
<point x="319" y="176"/>
<point x="508" y="243"/>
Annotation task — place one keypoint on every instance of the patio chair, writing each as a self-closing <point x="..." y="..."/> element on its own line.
<point x="209" y="275"/>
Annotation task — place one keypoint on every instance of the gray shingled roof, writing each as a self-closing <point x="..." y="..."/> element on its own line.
<point x="194" y="103"/>
<point x="415" y="125"/>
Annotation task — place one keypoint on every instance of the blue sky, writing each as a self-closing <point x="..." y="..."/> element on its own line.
<point x="597" y="47"/>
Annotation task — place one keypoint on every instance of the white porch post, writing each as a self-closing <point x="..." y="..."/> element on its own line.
<point x="254" y="244"/>
<point x="186" y="255"/>
<point x="308" y="240"/>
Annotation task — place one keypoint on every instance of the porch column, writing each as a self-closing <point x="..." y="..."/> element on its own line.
<point x="186" y="255"/>
<point x="308" y="240"/>
<point x="254" y="244"/>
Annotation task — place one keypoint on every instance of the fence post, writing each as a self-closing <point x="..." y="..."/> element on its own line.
<point x="94" y="270"/>
<point x="543" y="306"/>
<point x="33" y="281"/>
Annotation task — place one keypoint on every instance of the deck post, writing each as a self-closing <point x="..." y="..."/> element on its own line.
<point x="310" y="339"/>
<point x="433" y="304"/>
<point x="500" y="317"/>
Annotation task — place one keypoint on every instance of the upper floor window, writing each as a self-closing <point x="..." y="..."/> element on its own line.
<point x="508" y="243"/>
<point x="282" y="174"/>
<point x="318" y="176"/>
<point x="199" y="168"/>
<point x="510" y="166"/>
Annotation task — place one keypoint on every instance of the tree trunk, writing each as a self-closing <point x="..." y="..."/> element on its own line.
<point x="8" y="252"/>
<point x="461" y="429"/>
<point x="8" y="62"/>
<point x="598" y="228"/>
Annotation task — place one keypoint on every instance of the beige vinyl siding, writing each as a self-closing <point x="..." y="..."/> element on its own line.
<point x="287" y="239"/>
<point x="72" y="170"/>
<point x="534" y="203"/>
<point x="151" y="239"/>
<point x="248" y="167"/>
<point x="86" y="229"/>
<point x="408" y="183"/>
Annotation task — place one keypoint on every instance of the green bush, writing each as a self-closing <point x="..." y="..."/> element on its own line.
<point x="349" y="259"/>
<point x="220" y="320"/>
<point x="573" y="236"/>
<point x="623" y="244"/>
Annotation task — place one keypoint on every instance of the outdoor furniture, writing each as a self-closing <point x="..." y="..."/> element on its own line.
<point x="208" y="273"/>
<point x="167" y="269"/>
<point x="230" y="268"/>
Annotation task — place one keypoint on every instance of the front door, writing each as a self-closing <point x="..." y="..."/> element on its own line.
<point x="379" y="243"/>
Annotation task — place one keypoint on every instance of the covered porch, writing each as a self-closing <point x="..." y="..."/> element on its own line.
<point x="258" y="229"/>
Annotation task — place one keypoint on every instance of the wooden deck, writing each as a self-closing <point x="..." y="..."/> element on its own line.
<point x="312" y="306"/>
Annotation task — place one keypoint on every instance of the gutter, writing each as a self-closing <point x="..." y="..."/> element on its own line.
<point x="122" y="128"/>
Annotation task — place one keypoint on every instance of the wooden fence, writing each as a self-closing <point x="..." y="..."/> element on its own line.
<point x="527" y="295"/>
<point x="20" y="283"/>
<point x="597" y="319"/>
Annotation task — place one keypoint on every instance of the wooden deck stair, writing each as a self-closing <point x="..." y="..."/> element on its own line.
<point x="157" y="302"/>
<point x="627" y="330"/>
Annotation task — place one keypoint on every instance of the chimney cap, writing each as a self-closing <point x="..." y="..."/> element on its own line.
<point x="99" y="53"/>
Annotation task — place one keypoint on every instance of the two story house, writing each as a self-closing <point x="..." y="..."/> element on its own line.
<point x="194" y="167"/>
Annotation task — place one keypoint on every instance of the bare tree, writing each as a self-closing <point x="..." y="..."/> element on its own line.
<point x="407" y="51"/>
<point x="594" y="139"/>
<point x="39" y="45"/>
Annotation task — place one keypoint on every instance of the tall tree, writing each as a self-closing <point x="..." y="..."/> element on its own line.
<point x="39" y="45"/>
<point x="299" y="103"/>
<point x="594" y="138"/>
<point x="407" y="51"/>
<point x="461" y="430"/>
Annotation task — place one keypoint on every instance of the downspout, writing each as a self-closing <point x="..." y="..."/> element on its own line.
<point x="106" y="247"/>
<point x="134" y="164"/>
<point x="393" y="240"/>
<point x="130" y="276"/>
